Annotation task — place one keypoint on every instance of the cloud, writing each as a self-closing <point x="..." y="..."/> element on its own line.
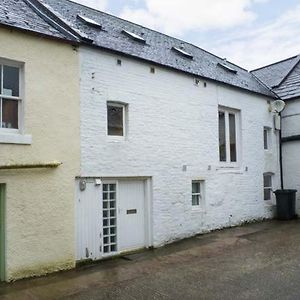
<point x="97" y="4"/>
<point x="255" y="47"/>
<point x="178" y="17"/>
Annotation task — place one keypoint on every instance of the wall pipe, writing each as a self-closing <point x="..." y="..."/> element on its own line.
<point x="280" y="153"/>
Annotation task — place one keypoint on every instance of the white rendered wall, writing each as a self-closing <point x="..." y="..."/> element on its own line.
<point x="171" y="123"/>
<point x="291" y="150"/>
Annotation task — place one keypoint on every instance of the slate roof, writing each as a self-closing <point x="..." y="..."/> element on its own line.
<point x="158" y="48"/>
<point x="283" y="77"/>
<point x="17" y="14"/>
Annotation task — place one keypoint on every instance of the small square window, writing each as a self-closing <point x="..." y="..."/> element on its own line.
<point x="197" y="193"/>
<point x="115" y="119"/>
<point x="268" y="190"/>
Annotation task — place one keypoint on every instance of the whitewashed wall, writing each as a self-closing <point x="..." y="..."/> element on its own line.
<point x="172" y="122"/>
<point x="291" y="153"/>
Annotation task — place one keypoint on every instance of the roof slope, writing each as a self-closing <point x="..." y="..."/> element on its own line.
<point x="290" y="87"/>
<point x="283" y="77"/>
<point x="16" y="13"/>
<point x="158" y="47"/>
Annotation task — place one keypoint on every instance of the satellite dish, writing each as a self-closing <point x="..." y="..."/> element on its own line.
<point x="277" y="106"/>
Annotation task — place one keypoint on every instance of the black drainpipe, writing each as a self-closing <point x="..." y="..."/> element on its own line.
<point x="280" y="153"/>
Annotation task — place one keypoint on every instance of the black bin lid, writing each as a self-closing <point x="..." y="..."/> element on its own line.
<point x="285" y="192"/>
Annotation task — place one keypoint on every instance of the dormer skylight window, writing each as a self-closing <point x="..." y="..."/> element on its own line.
<point x="183" y="52"/>
<point x="89" y="21"/>
<point x="134" y="36"/>
<point x="227" y="68"/>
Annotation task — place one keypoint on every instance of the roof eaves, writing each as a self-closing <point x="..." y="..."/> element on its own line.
<point x="187" y="72"/>
<point x="37" y="33"/>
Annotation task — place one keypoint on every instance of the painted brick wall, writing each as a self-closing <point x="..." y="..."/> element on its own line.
<point x="291" y="161"/>
<point x="171" y="122"/>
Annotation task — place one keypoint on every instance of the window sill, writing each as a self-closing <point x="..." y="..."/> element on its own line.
<point x="269" y="203"/>
<point x="15" y="138"/>
<point x="115" y="139"/>
<point x="230" y="169"/>
<point x="198" y="210"/>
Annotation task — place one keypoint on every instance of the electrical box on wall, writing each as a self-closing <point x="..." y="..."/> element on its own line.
<point x="82" y="185"/>
<point x="98" y="181"/>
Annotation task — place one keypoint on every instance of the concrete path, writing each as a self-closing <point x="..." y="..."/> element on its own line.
<point x="257" y="261"/>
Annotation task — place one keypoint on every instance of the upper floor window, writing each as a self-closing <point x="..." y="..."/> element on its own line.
<point x="10" y="97"/>
<point x="115" y="119"/>
<point x="228" y="128"/>
<point x="267" y="138"/>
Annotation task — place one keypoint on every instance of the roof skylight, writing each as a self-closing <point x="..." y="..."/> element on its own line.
<point x="227" y="68"/>
<point x="89" y="21"/>
<point x="183" y="52"/>
<point x="134" y="36"/>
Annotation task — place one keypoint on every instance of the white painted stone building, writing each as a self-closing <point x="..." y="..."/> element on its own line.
<point x="172" y="138"/>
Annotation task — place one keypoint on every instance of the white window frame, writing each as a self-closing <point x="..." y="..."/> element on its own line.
<point x="236" y="113"/>
<point x="268" y="130"/>
<point x="268" y="201"/>
<point x="14" y="98"/>
<point x="123" y="106"/>
<point x="201" y="205"/>
<point x="12" y="135"/>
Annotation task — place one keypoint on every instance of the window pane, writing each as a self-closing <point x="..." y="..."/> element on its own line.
<point x="267" y="194"/>
<point x="222" y="137"/>
<point x="195" y="200"/>
<point x="195" y="187"/>
<point x="9" y="114"/>
<point x="10" y="81"/>
<point x="267" y="181"/>
<point x="266" y="139"/>
<point x="115" y="120"/>
<point x="232" y="133"/>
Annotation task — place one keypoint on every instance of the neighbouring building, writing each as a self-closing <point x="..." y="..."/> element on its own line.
<point x="39" y="143"/>
<point x="283" y="78"/>
<point x="158" y="139"/>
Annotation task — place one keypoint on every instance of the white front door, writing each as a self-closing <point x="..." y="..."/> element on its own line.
<point x="131" y="215"/>
<point x="110" y="217"/>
